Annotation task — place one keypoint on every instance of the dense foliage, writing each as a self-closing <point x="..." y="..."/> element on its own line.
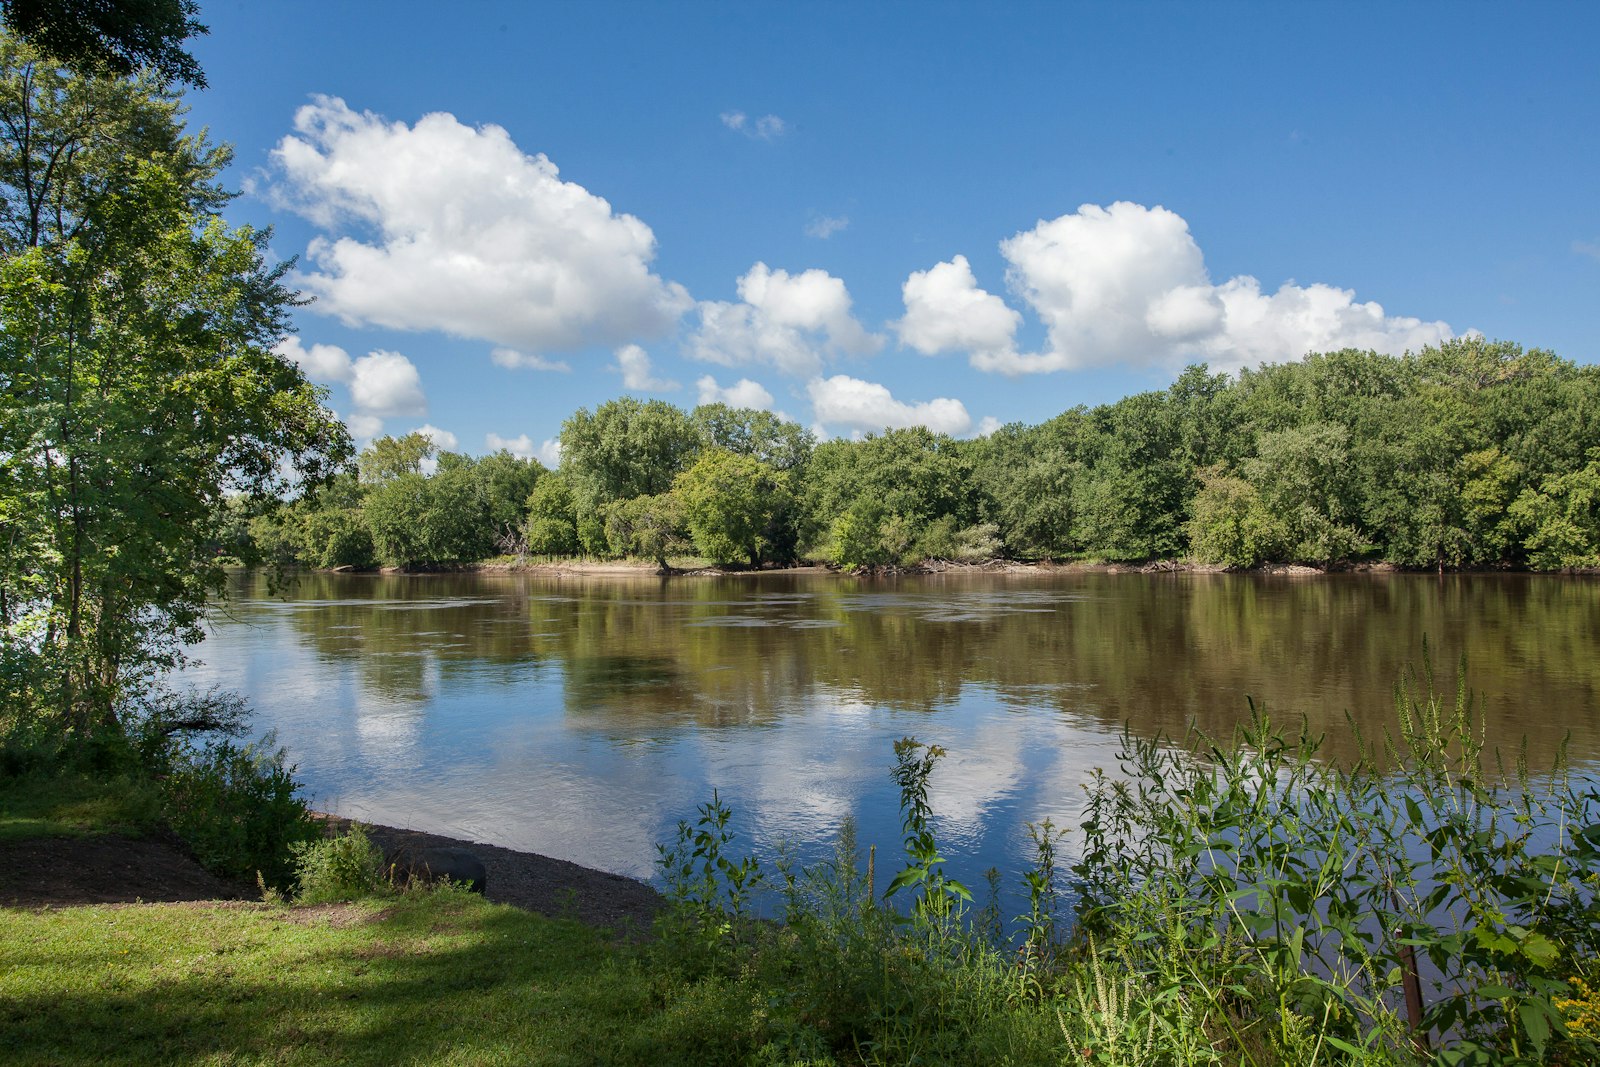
<point x="106" y="37"/>
<point x="138" y="387"/>
<point x="1236" y="902"/>
<point x="1475" y="454"/>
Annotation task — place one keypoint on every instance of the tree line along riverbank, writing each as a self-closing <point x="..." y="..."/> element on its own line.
<point x="1472" y="455"/>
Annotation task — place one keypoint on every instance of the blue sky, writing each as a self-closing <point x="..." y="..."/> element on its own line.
<point x="863" y="215"/>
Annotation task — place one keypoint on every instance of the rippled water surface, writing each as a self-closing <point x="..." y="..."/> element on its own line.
<point x="582" y="717"/>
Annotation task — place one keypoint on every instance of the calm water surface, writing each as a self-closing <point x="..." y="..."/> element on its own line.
<point x="582" y="717"/>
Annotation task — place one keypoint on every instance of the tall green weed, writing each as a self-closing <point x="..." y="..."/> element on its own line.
<point x="336" y="869"/>
<point x="1240" y="901"/>
<point x="1303" y="897"/>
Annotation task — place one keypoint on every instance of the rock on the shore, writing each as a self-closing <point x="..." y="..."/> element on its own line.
<point x="436" y="864"/>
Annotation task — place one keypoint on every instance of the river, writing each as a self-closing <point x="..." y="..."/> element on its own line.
<point x="582" y="717"/>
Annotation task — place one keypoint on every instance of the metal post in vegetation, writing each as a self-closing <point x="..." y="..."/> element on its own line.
<point x="1413" y="986"/>
<point x="1411" y="982"/>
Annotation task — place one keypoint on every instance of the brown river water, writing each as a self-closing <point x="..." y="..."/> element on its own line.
<point x="582" y="717"/>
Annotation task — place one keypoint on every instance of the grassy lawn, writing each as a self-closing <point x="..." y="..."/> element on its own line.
<point x="414" y="978"/>
<point x="433" y="978"/>
<point x="74" y="804"/>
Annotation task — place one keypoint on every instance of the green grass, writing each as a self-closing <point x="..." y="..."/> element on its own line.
<point x="77" y="804"/>
<point x="433" y="978"/>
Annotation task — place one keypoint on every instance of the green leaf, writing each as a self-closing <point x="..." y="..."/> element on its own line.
<point x="909" y="876"/>
<point x="1540" y="949"/>
<point x="1535" y="1020"/>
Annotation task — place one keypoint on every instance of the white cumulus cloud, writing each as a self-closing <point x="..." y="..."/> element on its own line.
<point x="382" y="384"/>
<point x="1127" y="284"/>
<point x="521" y="446"/>
<point x="791" y="321"/>
<point x="387" y="383"/>
<point x="324" y="364"/>
<point x="443" y="226"/>
<point x="743" y="393"/>
<point x="845" y="401"/>
<point x="363" y="427"/>
<point x="637" y="374"/>
<point x="443" y="440"/>
<point x="549" y="452"/>
<point x="511" y="359"/>
<point x="946" y="311"/>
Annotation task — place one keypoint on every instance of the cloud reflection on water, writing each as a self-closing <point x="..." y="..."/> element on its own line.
<point x="583" y="719"/>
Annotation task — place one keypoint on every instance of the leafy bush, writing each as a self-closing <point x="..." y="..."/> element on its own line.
<point x="337" y="537"/>
<point x="552" y="537"/>
<point x="870" y="535"/>
<point x="1229" y="524"/>
<point x="29" y="744"/>
<point x="942" y="539"/>
<point x="333" y="869"/>
<point x="1296" y="899"/>
<point x="234" y="805"/>
<point x="646" y="526"/>
<point x="237" y="808"/>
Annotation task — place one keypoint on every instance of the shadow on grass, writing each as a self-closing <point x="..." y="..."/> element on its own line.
<point x="428" y="981"/>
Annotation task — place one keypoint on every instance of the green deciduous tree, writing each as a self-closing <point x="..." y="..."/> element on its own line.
<point x="386" y="458"/>
<point x="875" y="497"/>
<point x="459" y="514"/>
<point x="649" y="526"/>
<point x="1561" y="518"/>
<point x="1025" y="476"/>
<point x="783" y="446"/>
<point x="138" y="381"/>
<point x="1131" y="498"/>
<point x="1305" y="484"/>
<point x="394" y="514"/>
<point x="738" y="509"/>
<point x="627" y="448"/>
<point x="1228" y="523"/>
<point x="336" y="537"/>
<point x="505" y="483"/>
<point x="552" y="528"/>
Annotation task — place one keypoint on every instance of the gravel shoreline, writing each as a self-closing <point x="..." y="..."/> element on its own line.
<point x="527" y="880"/>
<point x="58" y="872"/>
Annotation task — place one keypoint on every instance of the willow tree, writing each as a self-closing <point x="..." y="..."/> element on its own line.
<point x="138" y="387"/>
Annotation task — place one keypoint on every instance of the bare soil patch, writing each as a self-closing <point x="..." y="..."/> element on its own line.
<point x="57" y="872"/>
<point x="62" y="871"/>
